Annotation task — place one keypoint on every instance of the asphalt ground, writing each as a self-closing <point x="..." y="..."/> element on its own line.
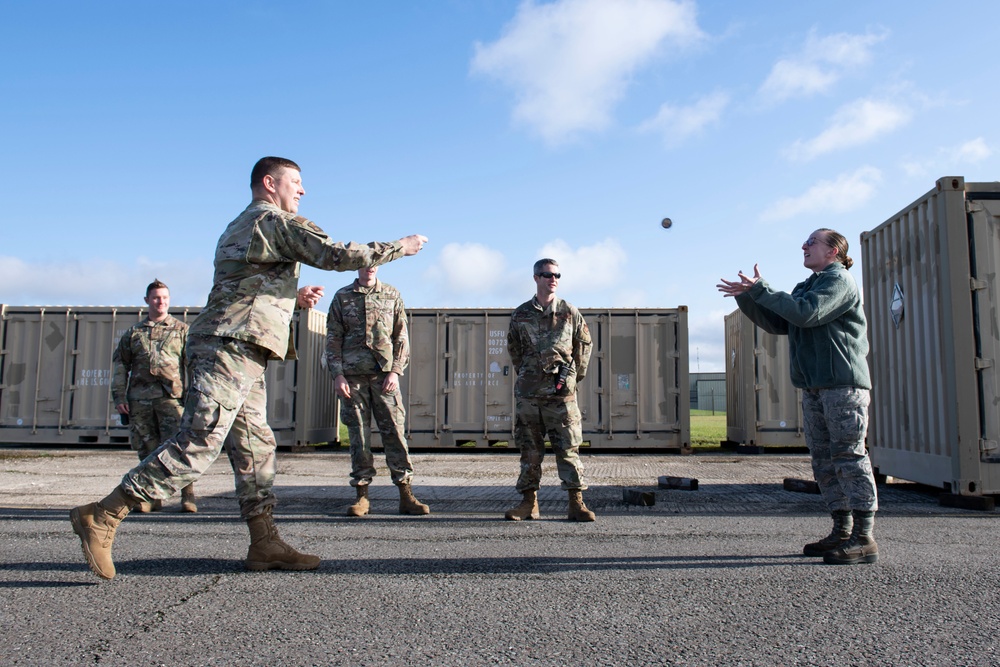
<point x="712" y="576"/>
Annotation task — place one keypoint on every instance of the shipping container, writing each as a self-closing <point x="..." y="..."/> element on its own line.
<point x="931" y="299"/>
<point x="55" y="377"/>
<point x="459" y="388"/>
<point x="763" y="409"/>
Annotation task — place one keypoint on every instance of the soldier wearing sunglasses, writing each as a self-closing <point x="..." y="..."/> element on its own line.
<point x="549" y="345"/>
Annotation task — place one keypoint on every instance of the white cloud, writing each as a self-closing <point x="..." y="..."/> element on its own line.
<point x="595" y="267"/>
<point x="468" y="268"/>
<point x="974" y="151"/>
<point x="950" y="158"/>
<point x="853" y="124"/>
<point x="100" y="283"/>
<point x="569" y="62"/>
<point x="845" y="193"/>
<point x="675" y="124"/>
<point x="818" y="66"/>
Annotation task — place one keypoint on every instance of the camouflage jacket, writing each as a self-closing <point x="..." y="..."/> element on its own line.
<point x="366" y="331"/>
<point x="540" y="341"/>
<point x="257" y="274"/>
<point x="149" y="361"/>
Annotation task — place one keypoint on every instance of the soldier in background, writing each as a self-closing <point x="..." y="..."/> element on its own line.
<point x="549" y="345"/>
<point x="367" y="349"/>
<point x="148" y="385"/>
<point x="246" y="322"/>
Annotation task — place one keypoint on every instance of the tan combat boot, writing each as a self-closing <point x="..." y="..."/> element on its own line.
<point x="408" y="504"/>
<point x="528" y="509"/>
<point x="96" y="524"/>
<point x="577" y="510"/>
<point x="188" y="499"/>
<point x="268" y="552"/>
<point x="144" y="508"/>
<point x="360" y="507"/>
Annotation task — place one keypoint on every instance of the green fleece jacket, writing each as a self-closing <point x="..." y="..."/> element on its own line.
<point x="825" y="324"/>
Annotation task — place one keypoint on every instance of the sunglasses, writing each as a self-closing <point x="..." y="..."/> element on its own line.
<point x="549" y="274"/>
<point x="812" y="240"/>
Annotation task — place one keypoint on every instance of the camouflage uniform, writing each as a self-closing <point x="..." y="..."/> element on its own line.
<point x="366" y="340"/>
<point x="149" y="378"/>
<point x="835" y="422"/>
<point x="246" y="323"/>
<point x="540" y="341"/>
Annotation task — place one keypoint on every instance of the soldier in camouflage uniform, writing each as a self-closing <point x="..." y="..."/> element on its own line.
<point x="246" y="322"/>
<point x="367" y="349"/>
<point x="148" y="383"/>
<point x="827" y="336"/>
<point x="549" y="345"/>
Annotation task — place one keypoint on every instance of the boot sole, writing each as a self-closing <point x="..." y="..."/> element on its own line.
<point x="816" y="553"/>
<point x="258" y="566"/>
<point x="871" y="558"/>
<point x="74" y="518"/>
<point x="530" y="517"/>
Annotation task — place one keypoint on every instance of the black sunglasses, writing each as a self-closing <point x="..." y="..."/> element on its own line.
<point x="549" y="274"/>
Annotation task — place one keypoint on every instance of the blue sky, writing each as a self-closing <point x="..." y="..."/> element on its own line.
<point x="503" y="130"/>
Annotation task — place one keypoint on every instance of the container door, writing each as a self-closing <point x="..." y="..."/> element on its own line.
<point x="739" y="377"/>
<point x="984" y="220"/>
<point x="479" y="377"/>
<point x="778" y="402"/>
<point x="423" y="380"/>
<point x="89" y="403"/>
<point x="34" y="375"/>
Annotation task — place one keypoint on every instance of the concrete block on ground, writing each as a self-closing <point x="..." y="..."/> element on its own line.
<point x="638" y="497"/>
<point x="800" y="485"/>
<point x="682" y="483"/>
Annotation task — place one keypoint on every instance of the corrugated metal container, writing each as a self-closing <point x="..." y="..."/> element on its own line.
<point x="459" y="388"/>
<point x="762" y="406"/>
<point x="55" y="377"/>
<point x="930" y="285"/>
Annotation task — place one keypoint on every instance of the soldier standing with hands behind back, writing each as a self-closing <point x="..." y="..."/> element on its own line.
<point x="549" y="345"/>
<point x="367" y="349"/>
<point x="148" y="386"/>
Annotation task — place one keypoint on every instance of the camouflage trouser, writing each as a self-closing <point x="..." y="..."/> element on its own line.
<point x="225" y="407"/>
<point x="561" y="421"/>
<point x="367" y="401"/>
<point x="153" y="421"/>
<point x="835" y="423"/>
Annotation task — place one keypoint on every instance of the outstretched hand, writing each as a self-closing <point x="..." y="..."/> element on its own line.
<point x="741" y="286"/>
<point x="413" y="243"/>
<point x="309" y="296"/>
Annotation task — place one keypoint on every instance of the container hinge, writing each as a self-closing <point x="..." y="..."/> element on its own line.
<point x="988" y="448"/>
<point x="976" y="284"/>
<point x="983" y="363"/>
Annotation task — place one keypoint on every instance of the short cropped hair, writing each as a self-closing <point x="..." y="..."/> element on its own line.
<point x="156" y="284"/>
<point x="542" y="262"/>
<point x="269" y="166"/>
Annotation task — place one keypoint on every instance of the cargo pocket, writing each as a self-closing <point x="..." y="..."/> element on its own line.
<point x="212" y="395"/>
